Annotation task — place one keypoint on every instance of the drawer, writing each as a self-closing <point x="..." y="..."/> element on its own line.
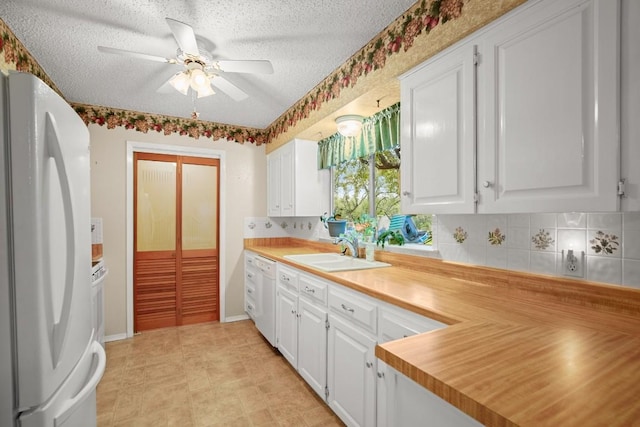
<point x="396" y="323"/>
<point x="313" y="289"/>
<point x="250" y="276"/>
<point x="288" y="277"/>
<point x="250" y="308"/>
<point x="251" y="289"/>
<point x="354" y="307"/>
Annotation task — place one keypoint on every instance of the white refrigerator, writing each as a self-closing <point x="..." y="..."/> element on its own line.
<point x="50" y="363"/>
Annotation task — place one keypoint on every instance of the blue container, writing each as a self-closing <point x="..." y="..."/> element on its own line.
<point x="336" y="227"/>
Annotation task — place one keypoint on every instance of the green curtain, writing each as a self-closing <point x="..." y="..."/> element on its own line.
<point x="380" y="132"/>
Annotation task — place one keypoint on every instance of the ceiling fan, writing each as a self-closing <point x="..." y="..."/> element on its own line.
<point x="201" y="71"/>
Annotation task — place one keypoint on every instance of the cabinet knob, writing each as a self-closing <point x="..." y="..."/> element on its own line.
<point x="249" y="291"/>
<point x="406" y="193"/>
<point x="380" y="374"/>
<point x="486" y="184"/>
<point x="369" y="364"/>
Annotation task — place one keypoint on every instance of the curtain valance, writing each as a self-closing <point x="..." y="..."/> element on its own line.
<point x="380" y="132"/>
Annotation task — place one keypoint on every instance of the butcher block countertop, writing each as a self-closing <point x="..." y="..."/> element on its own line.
<point x="520" y="349"/>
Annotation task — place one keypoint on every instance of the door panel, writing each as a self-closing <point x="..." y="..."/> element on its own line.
<point x="199" y="240"/>
<point x="176" y="243"/>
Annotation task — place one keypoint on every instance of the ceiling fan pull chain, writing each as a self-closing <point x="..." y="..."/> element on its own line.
<point x="195" y="114"/>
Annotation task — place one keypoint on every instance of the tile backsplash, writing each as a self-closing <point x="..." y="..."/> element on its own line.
<point x="310" y="228"/>
<point x="535" y="243"/>
<point x="524" y="242"/>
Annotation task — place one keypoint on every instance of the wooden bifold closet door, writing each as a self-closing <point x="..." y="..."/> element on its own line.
<point x="176" y="213"/>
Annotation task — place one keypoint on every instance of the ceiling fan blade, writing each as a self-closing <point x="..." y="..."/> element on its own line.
<point x="185" y="36"/>
<point x="229" y="88"/>
<point x="136" y="54"/>
<point x="248" y="66"/>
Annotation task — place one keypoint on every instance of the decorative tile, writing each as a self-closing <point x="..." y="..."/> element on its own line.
<point x="496" y="221"/>
<point x="496" y="237"/>
<point x="460" y="235"/>
<point x="572" y="220"/>
<point x="631" y="273"/>
<point x="604" y="242"/>
<point x="543" y="240"/>
<point x="605" y="270"/>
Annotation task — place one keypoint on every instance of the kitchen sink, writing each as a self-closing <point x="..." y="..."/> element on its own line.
<point x="335" y="262"/>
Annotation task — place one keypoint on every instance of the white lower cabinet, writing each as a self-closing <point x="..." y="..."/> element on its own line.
<point x="395" y="323"/>
<point x="351" y="373"/>
<point x="329" y="332"/>
<point x="287" y="325"/>
<point x="302" y="326"/>
<point x="411" y="405"/>
<point x="351" y="360"/>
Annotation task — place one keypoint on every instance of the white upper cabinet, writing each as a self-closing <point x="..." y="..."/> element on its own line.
<point x="438" y="134"/>
<point x="295" y="186"/>
<point x="548" y="123"/>
<point x="533" y="126"/>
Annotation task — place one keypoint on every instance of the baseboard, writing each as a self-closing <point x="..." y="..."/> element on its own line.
<point x="235" y="318"/>
<point x="116" y="337"/>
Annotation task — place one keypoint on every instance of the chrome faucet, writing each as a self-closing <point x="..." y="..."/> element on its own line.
<point x="350" y="243"/>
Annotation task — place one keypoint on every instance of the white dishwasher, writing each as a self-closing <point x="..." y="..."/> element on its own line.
<point x="265" y="310"/>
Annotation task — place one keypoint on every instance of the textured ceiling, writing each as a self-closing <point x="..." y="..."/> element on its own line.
<point x="305" y="41"/>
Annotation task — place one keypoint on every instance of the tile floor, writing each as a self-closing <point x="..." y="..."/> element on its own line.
<point x="210" y="374"/>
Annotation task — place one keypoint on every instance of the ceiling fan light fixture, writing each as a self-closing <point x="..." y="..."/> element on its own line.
<point x="205" y="91"/>
<point x="349" y="125"/>
<point x="180" y="82"/>
<point x="198" y="79"/>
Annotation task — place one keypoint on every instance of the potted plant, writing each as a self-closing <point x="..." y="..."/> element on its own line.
<point x="394" y="237"/>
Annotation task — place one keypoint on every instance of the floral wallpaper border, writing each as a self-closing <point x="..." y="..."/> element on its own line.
<point x="398" y="36"/>
<point x="144" y="122"/>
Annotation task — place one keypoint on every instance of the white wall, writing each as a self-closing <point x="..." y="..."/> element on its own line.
<point x="246" y="196"/>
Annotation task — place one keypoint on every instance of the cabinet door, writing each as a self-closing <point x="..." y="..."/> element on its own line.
<point x="548" y="101"/>
<point x="411" y="405"/>
<point x="312" y="345"/>
<point x="287" y="325"/>
<point x="438" y="135"/>
<point x="351" y="371"/>
<point x="287" y="180"/>
<point x="273" y="184"/>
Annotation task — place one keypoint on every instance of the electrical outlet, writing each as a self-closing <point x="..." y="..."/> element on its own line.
<point x="572" y="264"/>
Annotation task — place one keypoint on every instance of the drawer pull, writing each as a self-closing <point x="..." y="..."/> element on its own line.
<point x="284" y="278"/>
<point x="250" y="307"/>
<point x="250" y="276"/>
<point x="249" y="291"/>
<point x="369" y="364"/>
<point x="349" y="309"/>
<point x="380" y="375"/>
<point x="310" y="290"/>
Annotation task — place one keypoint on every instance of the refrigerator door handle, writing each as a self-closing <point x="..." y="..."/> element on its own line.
<point x="55" y="150"/>
<point x="69" y="406"/>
